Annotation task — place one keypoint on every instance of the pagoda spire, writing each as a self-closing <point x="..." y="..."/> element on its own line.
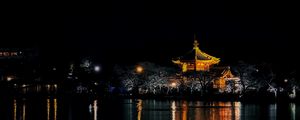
<point x="196" y="49"/>
<point x="196" y="44"/>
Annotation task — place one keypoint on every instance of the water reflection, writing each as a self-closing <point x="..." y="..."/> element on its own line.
<point x="15" y="109"/>
<point x="273" y="110"/>
<point x="50" y="108"/>
<point x="293" y="111"/>
<point x="139" y="108"/>
<point x="183" y="110"/>
<point x="173" y="109"/>
<point x="24" y="112"/>
<point x="95" y="109"/>
<point x="198" y="110"/>
<point x="55" y="109"/>
<point x="19" y="112"/>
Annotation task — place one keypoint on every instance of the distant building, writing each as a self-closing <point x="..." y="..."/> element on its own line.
<point x="16" y="63"/>
<point x="10" y="53"/>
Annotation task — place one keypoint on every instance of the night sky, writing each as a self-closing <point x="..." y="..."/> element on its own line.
<point x="131" y="32"/>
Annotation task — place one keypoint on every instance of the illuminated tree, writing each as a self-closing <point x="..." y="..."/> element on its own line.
<point x="151" y="79"/>
<point x="127" y="76"/>
<point x="289" y="84"/>
<point x="266" y="76"/>
<point x="246" y="74"/>
<point x="86" y="65"/>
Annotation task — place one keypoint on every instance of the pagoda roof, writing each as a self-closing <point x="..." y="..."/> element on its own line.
<point x="220" y="71"/>
<point x="200" y="55"/>
<point x="196" y="53"/>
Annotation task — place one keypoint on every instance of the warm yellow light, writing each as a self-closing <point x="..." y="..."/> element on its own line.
<point x="55" y="109"/>
<point x="184" y="67"/>
<point x="173" y="84"/>
<point x="139" y="69"/>
<point x="201" y="64"/>
<point x="9" y="78"/>
<point x="15" y="109"/>
<point x="48" y="109"/>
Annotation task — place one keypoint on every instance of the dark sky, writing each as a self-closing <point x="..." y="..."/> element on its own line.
<point x="132" y="32"/>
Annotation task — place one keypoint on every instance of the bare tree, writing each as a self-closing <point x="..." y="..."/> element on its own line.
<point x="150" y="80"/>
<point x="266" y="76"/>
<point x="246" y="74"/>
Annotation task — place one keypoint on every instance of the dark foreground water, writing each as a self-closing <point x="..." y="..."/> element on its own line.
<point x="83" y="108"/>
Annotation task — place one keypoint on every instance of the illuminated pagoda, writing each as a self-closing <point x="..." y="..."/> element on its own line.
<point x="196" y="60"/>
<point x="201" y="64"/>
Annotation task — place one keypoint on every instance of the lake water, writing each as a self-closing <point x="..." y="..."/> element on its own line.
<point x="82" y="108"/>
